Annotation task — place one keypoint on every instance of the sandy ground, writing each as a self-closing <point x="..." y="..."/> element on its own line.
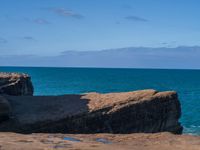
<point x="161" y="141"/>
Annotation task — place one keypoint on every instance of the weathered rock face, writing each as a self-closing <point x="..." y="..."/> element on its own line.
<point x="15" y="84"/>
<point x="158" y="141"/>
<point x="146" y="111"/>
<point x="4" y="109"/>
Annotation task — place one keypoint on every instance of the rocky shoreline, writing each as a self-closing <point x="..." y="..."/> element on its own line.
<point x="145" y="111"/>
<point x="158" y="141"/>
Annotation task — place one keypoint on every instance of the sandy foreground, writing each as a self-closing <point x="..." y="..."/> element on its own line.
<point x="160" y="141"/>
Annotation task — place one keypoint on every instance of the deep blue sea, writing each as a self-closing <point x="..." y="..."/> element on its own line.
<point x="57" y="81"/>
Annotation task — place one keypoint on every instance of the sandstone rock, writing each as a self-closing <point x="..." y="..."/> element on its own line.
<point x="146" y="111"/>
<point x="4" y="109"/>
<point x="158" y="141"/>
<point x="15" y="84"/>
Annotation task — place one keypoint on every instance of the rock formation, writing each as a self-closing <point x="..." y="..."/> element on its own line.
<point x="4" y="109"/>
<point x="146" y="111"/>
<point x="15" y="84"/>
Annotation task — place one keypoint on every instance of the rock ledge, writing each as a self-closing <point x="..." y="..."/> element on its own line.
<point x="146" y="111"/>
<point x="15" y="84"/>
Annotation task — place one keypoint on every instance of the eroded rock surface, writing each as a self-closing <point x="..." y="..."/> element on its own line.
<point x="15" y="84"/>
<point x="146" y="111"/>
<point x="159" y="141"/>
<point x="5" y="109"/>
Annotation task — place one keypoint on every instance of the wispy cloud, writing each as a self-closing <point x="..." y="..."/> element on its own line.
<point x="132" y="57"/>
<point x="41" y="21"/>
<point x="169" y="44"/>
<point x="136" y="18"/>
<point x="117" y="22"/>
<point x="3" y="41"/>
<point x="29" y="38"/>
<point x="66" y="13"/>
<point x="164" y="43"/>
<point x="126" y="6"/>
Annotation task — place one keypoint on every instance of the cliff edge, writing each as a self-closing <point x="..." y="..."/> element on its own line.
<point x="15" y="84"/>
<point x="145" y="111"/>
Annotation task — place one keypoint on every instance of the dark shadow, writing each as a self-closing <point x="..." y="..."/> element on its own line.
<point x="44" y="114"/>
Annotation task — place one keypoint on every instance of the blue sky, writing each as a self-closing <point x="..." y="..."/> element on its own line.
<point x="49" y="27"/>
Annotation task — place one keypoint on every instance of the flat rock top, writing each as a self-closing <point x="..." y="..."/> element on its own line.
<point x="98" y="101"/>
<point x="160" y="141"/>
<point x="30" y="109"/>
<point x="10" y="78"/>
<point x="12" y="75"/>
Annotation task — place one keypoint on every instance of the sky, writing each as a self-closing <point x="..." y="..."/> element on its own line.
<point x="182" y="57"/>
<point x="50" y="27"/>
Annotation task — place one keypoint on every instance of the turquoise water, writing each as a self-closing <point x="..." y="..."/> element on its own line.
<point x="56" y="81"/>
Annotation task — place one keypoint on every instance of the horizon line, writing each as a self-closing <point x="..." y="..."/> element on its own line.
<point x="156" y="68"/>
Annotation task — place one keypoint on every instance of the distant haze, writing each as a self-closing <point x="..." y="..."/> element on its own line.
<point x="133" y="57"/>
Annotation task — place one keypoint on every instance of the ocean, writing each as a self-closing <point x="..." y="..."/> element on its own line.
<point x="58" y="81"/>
